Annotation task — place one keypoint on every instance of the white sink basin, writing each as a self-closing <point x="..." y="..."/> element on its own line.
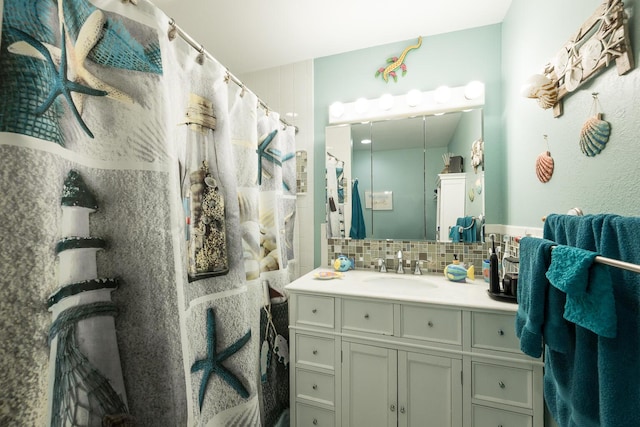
<point x="397" y="279"/>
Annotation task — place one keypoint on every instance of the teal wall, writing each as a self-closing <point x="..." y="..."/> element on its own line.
<point x="452" y="59"/>
<point x="532" y="33"/>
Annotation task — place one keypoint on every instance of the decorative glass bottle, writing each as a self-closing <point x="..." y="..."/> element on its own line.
<point x="202" y="195"/>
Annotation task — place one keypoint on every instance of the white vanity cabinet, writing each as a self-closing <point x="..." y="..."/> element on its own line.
<point x="384" y="356"/>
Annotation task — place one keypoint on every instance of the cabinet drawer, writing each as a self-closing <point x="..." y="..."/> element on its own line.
<point x="316" y="351"/>
<point x="502" y="384"/>
<point x="315" y="311"/>
<point x="494" y="332"/>
<point x="367" y="316"/>
<point x="312" y="416"/>
<point x="491" y="417"/>
<point x="433" y="324"/>
<point x="315" y="386"/>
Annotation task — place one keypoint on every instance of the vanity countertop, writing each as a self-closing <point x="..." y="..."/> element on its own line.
<point x="426" y="288"/>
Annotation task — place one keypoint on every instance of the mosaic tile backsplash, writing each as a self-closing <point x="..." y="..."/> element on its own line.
<point x="432" y="257"/>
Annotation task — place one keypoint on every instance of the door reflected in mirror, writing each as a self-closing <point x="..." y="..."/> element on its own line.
<point x="397" y="164"/>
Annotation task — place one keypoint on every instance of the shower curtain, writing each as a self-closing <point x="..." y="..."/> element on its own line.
<point x="100" y="321"/>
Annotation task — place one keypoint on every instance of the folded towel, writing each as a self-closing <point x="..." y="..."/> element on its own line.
<point x="596" y="382"/>
<point x="469" y="229"/>
<point x="588" y="287"/>
<point x="540" y="306"/>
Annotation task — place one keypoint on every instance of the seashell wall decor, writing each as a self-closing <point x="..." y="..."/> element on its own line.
<point x="601" y="40"/>
<point x="595" y="132"/>
<point x="594" y="135"/>
<point x="543" y="89"/>
<point x="544" y="164"/>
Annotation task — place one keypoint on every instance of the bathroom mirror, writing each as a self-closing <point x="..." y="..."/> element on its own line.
<point x="397" y="170"/>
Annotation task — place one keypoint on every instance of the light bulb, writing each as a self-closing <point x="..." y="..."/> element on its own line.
<point x="442" y="94"/>
<point x="336" y="109"/>
<point x="473" y="89"/>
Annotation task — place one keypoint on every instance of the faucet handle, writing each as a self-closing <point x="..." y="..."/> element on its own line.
<point x="417" y="270"/>
<point x="382" y="267"/>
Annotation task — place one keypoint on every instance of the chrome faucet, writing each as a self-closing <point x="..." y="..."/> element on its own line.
<point x="400" y="268"/>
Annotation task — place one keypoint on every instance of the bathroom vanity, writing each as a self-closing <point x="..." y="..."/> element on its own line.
<point x="386" y="349"/>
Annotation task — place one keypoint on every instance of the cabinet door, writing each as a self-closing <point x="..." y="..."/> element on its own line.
<point x="369" y="386"/>
<point x="429" y="391"/>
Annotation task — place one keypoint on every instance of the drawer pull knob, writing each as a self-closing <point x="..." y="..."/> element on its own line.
<point x="315" y="352"/>
<point x="500" y="332"/>
<point x="501" y="384"/>
<point x="314" y="311"/>
<point x="402" y="410"/>
<point x="315" y="386"/>
<point x="366" y="316"/>
<point x="393" y="408"/>
<point x="315" y="422"/>
<point x="430" y="323"/>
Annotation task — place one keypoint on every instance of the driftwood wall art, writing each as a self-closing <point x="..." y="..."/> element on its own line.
<point x="602" y="39"/>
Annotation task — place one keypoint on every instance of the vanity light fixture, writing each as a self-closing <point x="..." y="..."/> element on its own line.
<point x="385" y="102"/>
<point x="441" y="100"/>
<point x="473" y="89"/>
<point x="336" y="109"/>
<point x="414" y="97"/>
<point x="442" y="95"/>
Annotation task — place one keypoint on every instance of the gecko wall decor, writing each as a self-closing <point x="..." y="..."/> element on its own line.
<point x="396" y="63"/>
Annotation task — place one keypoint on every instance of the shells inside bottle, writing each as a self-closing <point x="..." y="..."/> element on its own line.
<point x="203" y="198"/>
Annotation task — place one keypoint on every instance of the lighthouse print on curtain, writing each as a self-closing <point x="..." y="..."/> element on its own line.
<point x="93" y="100"/>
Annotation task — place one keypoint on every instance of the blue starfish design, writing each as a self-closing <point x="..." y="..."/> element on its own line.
<point x="212" y="363"/>
<point x="60" y="84"/>
<point x="265" y="152"/>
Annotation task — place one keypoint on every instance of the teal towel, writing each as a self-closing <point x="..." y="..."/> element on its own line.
<point x="588" y="287"/>
<point x="539" y="315"/>
<point x="357" y="230"/>
<point x="464" y="230"/>
<point x="596" y="382"/>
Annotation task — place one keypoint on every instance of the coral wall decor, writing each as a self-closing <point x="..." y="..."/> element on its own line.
<point x="602" y="39"/>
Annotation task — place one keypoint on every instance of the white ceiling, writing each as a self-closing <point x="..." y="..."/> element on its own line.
<point x="250" y="35"/>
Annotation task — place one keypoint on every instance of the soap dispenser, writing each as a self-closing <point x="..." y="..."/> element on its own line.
<point x="457" y="273"/>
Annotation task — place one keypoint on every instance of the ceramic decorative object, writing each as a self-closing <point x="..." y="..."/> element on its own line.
<point x="544" y="164"/>
<point x="457" y="273"/>
<point x="543" y="89"/>
<point x="342" y="263"/>
<point x="594" y="135"/>
<point x="477" y="154"/>
<point x="395" y="63"/>
<point x="595" y="132"/>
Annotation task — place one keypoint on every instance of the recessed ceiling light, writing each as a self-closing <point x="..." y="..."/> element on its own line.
<point x="365" y="141"/>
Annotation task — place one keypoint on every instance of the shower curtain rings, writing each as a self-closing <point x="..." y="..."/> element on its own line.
<point x="200" y="57"/>
<point x="173" y="31"/>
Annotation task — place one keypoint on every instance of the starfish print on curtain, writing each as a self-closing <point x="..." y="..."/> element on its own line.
<point x="212" y="363"/>
<point x="267" y="153"/>
<point x="60" y="84"/>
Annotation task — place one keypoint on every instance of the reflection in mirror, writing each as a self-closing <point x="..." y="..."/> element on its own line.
<point x="398" y="175"/>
